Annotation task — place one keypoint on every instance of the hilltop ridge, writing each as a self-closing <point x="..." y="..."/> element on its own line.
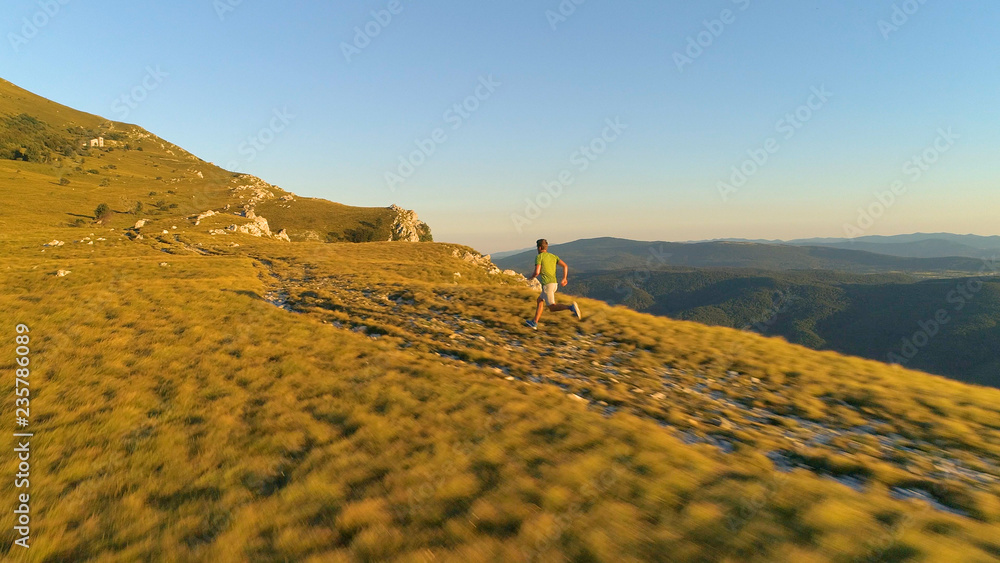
<point x="143" y="177"/>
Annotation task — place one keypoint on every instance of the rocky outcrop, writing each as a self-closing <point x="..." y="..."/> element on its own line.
<point x="485" y="262"/>
<point x="252" y="190"/>
<point x="407" y="227"/>
<point x="257" y="227"/>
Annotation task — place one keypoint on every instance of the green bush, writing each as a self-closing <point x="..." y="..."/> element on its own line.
<point x="102" y="213"/>
<point x="23" y="137"/>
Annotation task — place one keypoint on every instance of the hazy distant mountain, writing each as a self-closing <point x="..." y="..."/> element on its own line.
<point x="506" y="253"/>
<point x="918" y="245"/>
<point x="929" y="248"/>
<point x="613" y="254"/>
<point x="975" y="241"/>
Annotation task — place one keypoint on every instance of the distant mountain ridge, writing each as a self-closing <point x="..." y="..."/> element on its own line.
<point x="916" y="245"/>
<point x="612" y="254"/>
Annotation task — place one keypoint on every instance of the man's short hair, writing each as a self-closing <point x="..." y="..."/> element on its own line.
<point x="542" y="243"/>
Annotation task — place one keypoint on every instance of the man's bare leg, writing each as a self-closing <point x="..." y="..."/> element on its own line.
<point x="539" y="309"/>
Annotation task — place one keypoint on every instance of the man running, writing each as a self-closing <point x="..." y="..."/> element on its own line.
<point x="545" y="271"/>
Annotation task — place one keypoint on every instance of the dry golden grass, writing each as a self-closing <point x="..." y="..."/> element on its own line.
<point x="180" y="416"/>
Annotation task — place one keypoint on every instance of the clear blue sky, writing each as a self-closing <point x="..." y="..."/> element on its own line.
<point x="892" y="90"/>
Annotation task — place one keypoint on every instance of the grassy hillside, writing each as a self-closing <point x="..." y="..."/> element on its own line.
<point x="200" y="397"/>
<point x="862" y="315"/>
<point x="614" y="254"/>
<point x="136" y="167"/>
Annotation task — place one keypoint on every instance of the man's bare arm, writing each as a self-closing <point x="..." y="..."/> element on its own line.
<point x="565" y="267"/>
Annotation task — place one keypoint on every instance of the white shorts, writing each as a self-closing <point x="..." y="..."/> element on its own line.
<point x="549" y="293"/>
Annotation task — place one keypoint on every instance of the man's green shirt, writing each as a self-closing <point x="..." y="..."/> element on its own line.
<point x="548" y="263"/>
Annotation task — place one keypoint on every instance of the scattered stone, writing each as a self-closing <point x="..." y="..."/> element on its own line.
<point x="283" y="235"/>
<point x="139" y="224"/>
<point x="63" y="273"/>
<point x="204" y="215"/>
<point x="55" y="243"/>
<point x="458" y="275"/>
<point x="214" y="232"/>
